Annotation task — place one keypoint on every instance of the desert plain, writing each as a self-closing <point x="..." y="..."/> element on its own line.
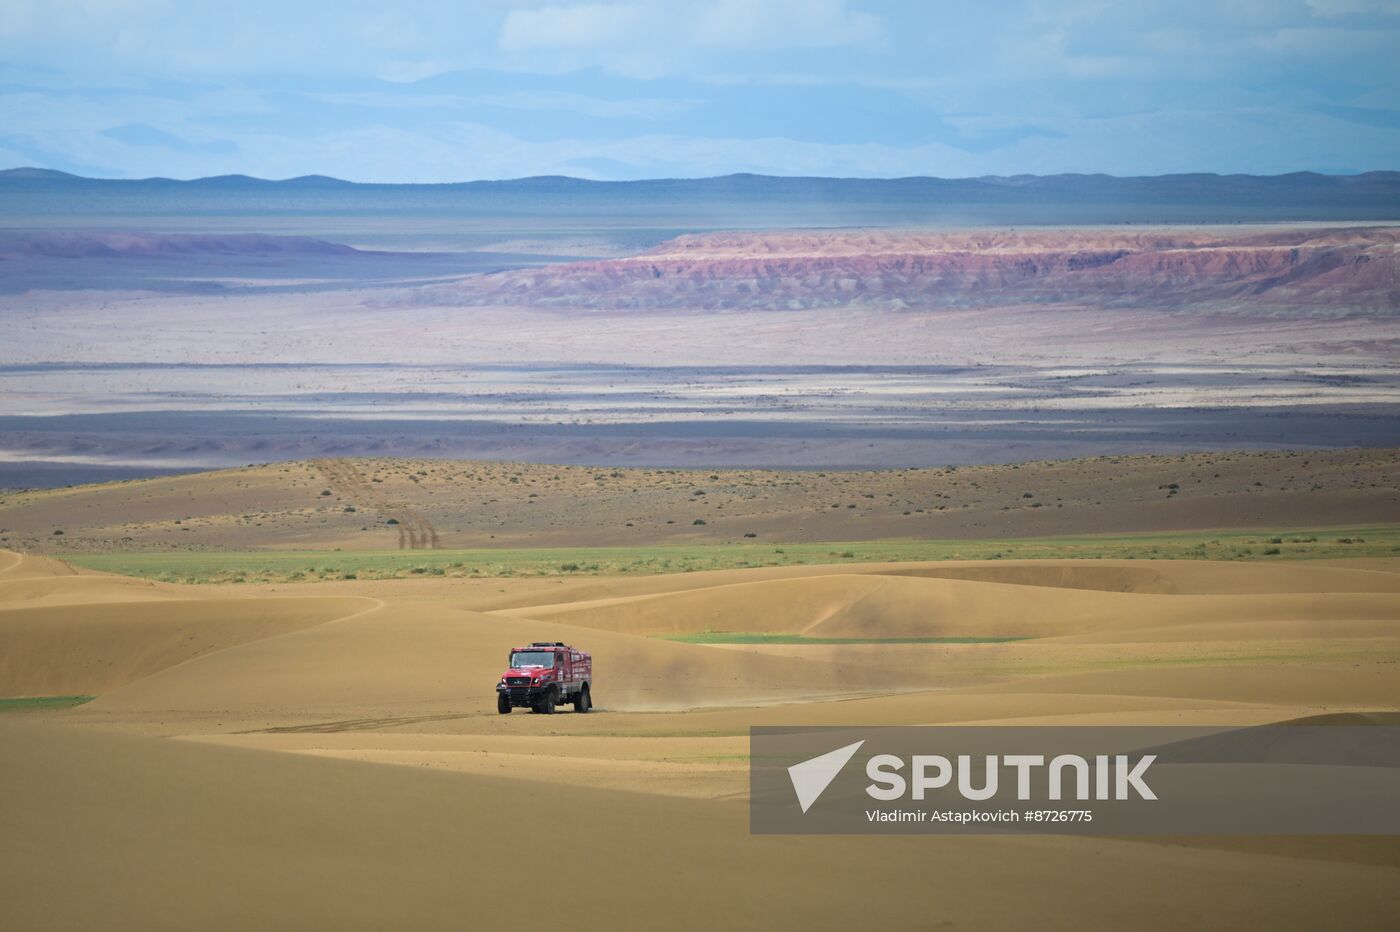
<point x="281" y="484"/>
<point x="848" y="348"/>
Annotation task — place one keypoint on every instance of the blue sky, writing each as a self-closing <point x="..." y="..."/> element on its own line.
<point x="443" y="91"/>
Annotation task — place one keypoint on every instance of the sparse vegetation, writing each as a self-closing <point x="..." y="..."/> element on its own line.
<point x="291" y="566"/>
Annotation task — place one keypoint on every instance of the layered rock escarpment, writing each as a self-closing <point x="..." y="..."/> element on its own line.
<point x="1347" y="268"/>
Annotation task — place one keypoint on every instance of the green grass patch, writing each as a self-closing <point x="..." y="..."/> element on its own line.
<point x="38" y="703"/>
<point x="307" y="566"/>
<point x="755" y="637"/>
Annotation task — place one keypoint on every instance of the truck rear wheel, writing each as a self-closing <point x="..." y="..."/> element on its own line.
<point x="502" y="704"/>
<point x="583" y="701"/>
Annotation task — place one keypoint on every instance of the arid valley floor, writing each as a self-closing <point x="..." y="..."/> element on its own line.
<point x="842" y="349"/>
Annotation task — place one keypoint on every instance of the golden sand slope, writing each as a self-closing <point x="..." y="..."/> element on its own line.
<point x="1185" y="577"/>
<point x="871" y="605"/>
<point x="393" y="649"/>
<point x="169" y="835"/>
<point x="92" y="649"/>
<point x="29" y="566"/>
<point x="407" y="658"/>
<point x="401" y="660"/>
<point x="1190" y="577"/>
<point x="341" y="679"/>
<point x="64" y="633"/>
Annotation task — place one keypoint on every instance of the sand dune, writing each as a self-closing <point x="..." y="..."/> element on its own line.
<point x="703" y="767"/>
<point x="167" y="835"/>
<point x="65" y="633"/>
<point x="1319" y="685"/>
<point x="30" y="566"/>
<point x="404" y="659"/>
<point x="76" y="590"/>
<point x="343" y="764"/>
<point x="1175" y="576"/>
<point x="1198" y="577"/>
<point x="92" y="649"/>
<point x="30" y="581"/>
<point x="928" y="605"/>
<point x="421" y="648"/>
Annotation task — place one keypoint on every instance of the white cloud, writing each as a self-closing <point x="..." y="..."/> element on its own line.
<point x="584" y="25"/>
<point x="661" y="32"/>
<point x="1049" y="53"/>
<point x="392" y="28"/>
<point x="641" y="108"/>
<point x="782" y="23"/>
<point x="407" y="72"/>
<point x="41" y="17"/>
<point x="165" y="39"/>
<point x="1347" y="7"/>
<point x="1327" y="41"/>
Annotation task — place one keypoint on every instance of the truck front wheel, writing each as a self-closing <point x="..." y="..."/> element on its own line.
<point x="583" y="701"/>
<point x="502" y="703"/>
<point x="545" y="706"/>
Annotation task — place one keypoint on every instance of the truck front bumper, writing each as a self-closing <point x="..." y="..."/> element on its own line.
<point x="521" y="695"/>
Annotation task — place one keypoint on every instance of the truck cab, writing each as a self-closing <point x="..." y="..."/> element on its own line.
<point x="544" y="675"/>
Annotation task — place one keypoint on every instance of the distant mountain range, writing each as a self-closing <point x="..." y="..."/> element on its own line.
<point x="734" y="200"/>
<point x="116" y="245"/>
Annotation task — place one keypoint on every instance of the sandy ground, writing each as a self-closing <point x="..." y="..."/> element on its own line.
<point x="329" y="755"/>
<point x="383" y="503"/>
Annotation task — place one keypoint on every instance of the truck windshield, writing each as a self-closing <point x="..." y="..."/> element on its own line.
<point x="531" y="658"/>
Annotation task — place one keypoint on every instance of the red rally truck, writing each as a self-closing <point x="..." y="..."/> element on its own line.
<point x="545" y="675"/>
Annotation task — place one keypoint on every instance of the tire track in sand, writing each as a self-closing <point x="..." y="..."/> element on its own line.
<point x="416" y="532"/>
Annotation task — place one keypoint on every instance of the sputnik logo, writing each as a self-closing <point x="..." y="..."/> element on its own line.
<point x="1114" y="776"/>
<point x="811" y="777"/>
